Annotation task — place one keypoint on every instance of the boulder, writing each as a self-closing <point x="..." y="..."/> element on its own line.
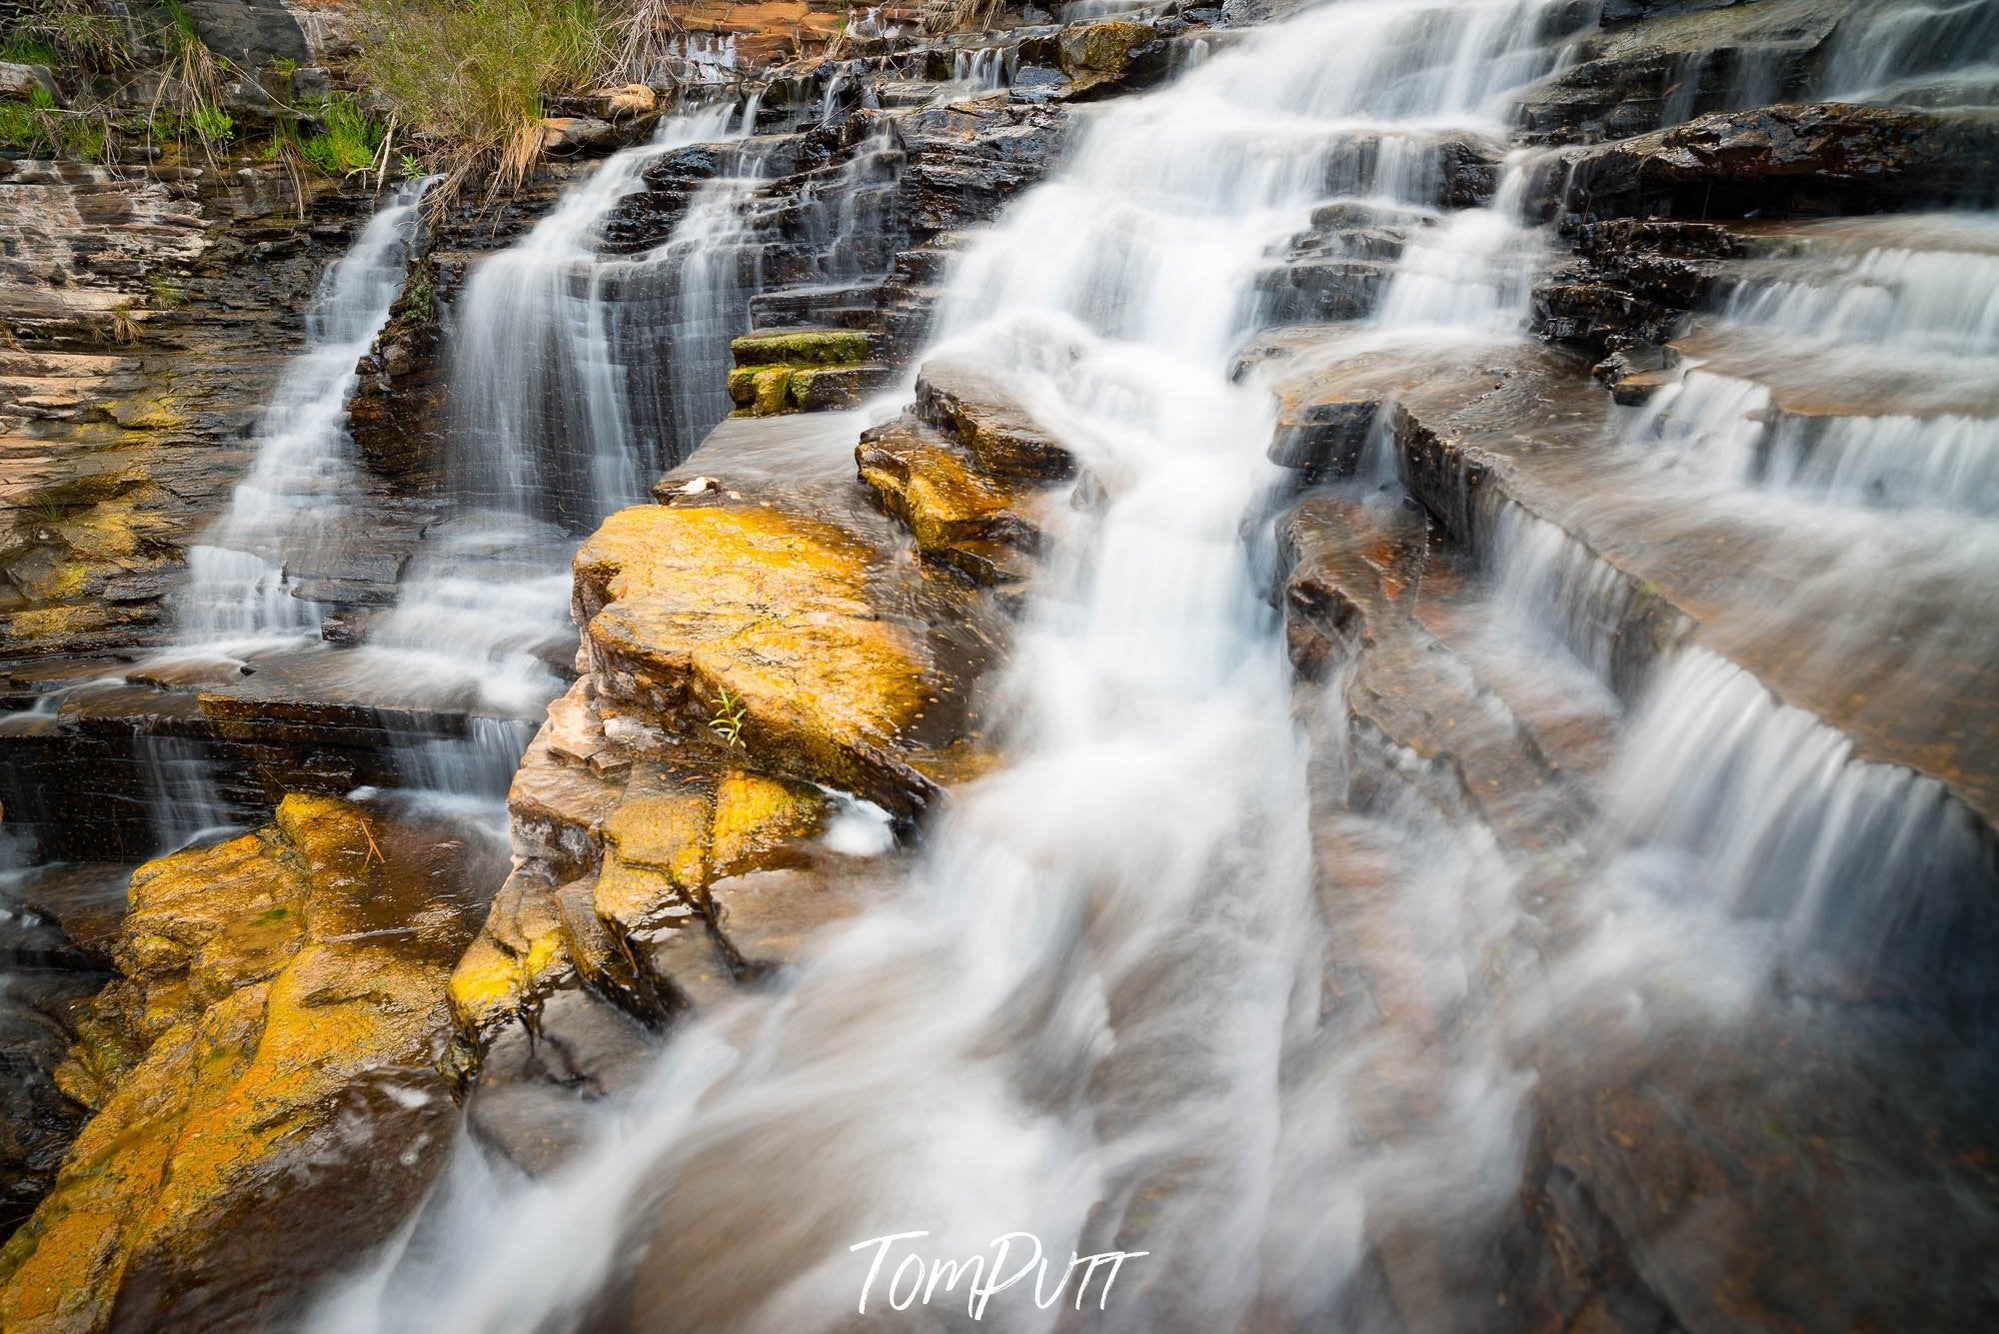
<point x="609" y="862"/>
<point x="1099" y="55"/>
<point x="978" y="413"/>
<point x="957" y="514"/>
<point x="576" y="134"/>
<point x="625" y="101"/>
<point x="1682" y="61"/>
<point x="250" y="32"/>
<point x="691" y="605"/>
<point x="267" y="1074"/>
<point x="966" y="160"/>
<point x="22" y="82"/>
<point x="802" y="370"/>
<point x="800" y="347"/>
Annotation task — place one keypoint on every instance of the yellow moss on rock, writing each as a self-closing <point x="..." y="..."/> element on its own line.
<point x="664" y="844"/>
<point x="256" y="985"/>
<point x="756" y="819"/>
<point x="519" y="954"/>
<point x="689" y="601"/>
<point x="1096" y="53"/>
<point x="655" y="856"/>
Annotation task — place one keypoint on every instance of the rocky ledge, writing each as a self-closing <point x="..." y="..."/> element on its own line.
<point x="270" y="1077"/>
<point x="775" y="680"/>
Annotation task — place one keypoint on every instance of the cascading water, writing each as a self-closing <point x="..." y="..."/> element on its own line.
<point x="536" y="366"/>
<point x="286" y="514"/>
<point x="1923" y="52"/>
<point x="1908" y="305"/>
<point x="1093" y="1036"/>
<point x="1430" y="898"/>
<point x="979" y="71"/>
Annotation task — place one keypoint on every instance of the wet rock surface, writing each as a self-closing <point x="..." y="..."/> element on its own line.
<point x="62" y="923"/>
<point x="267" y="1075"/>
<point x="1699" y="1177"/>
<point x="1658" y="65"/>
<point x="1801" y="158"/>
<point x="150" y="316"/>
<point x="760" y="651"/>
<point x="779" y="679"/>
<point x="86" y="780"/>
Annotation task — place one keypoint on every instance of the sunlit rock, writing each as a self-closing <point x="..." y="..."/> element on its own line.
<point x="957" y="514"/>
<point x="683" y="603"/>
<point x="802" y="370"/>
<point x="1096" y="55"/>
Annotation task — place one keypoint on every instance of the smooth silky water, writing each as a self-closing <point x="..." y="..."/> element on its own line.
<point x="539" y="357"/>
<point x="1091" y="1008"/>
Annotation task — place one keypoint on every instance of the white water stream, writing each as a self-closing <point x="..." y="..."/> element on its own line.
<point x="1088" y="1015"/>
<point x="290" y="511"/>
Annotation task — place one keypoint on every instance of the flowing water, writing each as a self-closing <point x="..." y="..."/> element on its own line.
<point x="1092" y="1014"/>
<point x="540" y="358"/>
<point x="287" y="514"/>
<point x="1095" y="1007"/>
<point x="540" y="364"/>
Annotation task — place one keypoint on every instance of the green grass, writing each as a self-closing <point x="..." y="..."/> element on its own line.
<point x="348" y="140"/>
<point x="74" y="36"/>
<point x="23" y="129"/>
<point x="728" y="719"/>
<point x="38" y="128"/>
<point x="190" y="91"/>
<point x="21" y="48"/>
<point x="212" y="124"/>
<point x="468" y="79"/>
<point x="167" y="290"/>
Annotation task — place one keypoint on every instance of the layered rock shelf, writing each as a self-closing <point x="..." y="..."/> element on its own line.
<point x="1372" y="630"/>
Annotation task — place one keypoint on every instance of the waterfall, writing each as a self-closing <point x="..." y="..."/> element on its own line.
<point x="556" y="423"/>
<point x="539" y="372"/>
<point x="1927" y="52"/>
<point x="286" y="515"/>
<point x="1088" y="1016"/>
<point x="1906" y="306"/>
<point x="1768" y="811"/>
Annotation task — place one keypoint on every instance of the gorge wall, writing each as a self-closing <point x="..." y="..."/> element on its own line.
<point x="1356" y="638"/>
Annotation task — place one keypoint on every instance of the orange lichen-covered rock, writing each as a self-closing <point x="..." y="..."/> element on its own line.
<point x="958" y="514"/>
<point x="269" y="987"/>
<point x="665" y="840"/>
<point x="683" y="603"/>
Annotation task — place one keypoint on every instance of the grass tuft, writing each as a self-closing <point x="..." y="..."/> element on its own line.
<point x="348" y="141"/>
<point x="469" y="80"/>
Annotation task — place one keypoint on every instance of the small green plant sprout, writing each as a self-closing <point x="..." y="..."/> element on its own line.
<point x="418" y="296"/>
<point x="212" y="124"/>
<point x="284" y="67"/>
<point x="167" y="291"/>
<point x="348" y="140"/>
<point x="729" y="717"/>
<point x="411" y="167"/>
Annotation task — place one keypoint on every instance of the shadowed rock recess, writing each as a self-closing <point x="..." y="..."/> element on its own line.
<point x="1350" y="647"/>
